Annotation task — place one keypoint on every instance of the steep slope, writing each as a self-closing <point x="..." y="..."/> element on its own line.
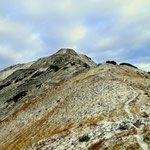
<point x="28" y="81"/>
<point x="66" y="101"/>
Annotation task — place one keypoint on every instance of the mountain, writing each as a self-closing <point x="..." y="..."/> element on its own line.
<point x="68" y="102"/>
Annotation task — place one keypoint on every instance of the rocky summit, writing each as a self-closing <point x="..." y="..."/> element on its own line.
<point x="68" y="102"/>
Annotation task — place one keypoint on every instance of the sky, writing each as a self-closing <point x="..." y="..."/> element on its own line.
<point x="102" y="29"/>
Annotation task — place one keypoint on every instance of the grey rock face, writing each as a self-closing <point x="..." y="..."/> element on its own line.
<point x="8" y="71"/>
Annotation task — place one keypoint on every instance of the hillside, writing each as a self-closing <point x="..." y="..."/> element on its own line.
<point x="68" y="102"/>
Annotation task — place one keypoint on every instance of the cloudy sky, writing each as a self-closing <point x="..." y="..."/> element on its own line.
<point x="102" y="29"/>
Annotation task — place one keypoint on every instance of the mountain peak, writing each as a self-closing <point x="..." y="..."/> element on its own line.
<point x="67" y="50"/>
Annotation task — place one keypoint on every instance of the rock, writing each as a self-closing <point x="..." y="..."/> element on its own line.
<point x="123" y="126"/>
<point x="17" y="96"/>
<point x="145" y="115"/>
<point x="137" y="123"/>
<point x="8" y="71"/>
<point x="5" y="84"/>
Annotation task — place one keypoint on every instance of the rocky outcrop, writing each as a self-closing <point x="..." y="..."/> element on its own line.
<point x="8" y="71"/>
<point x="66" y="101"/>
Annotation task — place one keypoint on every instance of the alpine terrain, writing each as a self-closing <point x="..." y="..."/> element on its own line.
<point x="68" y="102"/>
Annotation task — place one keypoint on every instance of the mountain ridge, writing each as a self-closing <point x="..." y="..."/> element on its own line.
<point x="66" y="101"/>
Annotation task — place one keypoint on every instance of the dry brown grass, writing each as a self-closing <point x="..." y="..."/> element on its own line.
<point x="85" y="78"/>
<point x="135" y="110"/>
<point x="97" y="145"/>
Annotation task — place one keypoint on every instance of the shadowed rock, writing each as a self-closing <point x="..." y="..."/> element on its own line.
<point x="17" y="97"/>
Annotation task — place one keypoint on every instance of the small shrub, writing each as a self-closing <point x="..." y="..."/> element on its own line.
<point x="111" y="62"/>
<point x="123" y="126"/>
<point x="130" y="65"/>
<point x="147" y="138"/>
<point x="84" y="138"/>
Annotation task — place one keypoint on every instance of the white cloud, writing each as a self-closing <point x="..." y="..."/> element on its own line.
<point x="135" y="8"/>
<point x="77" y="34"/>
<point x="102" y="28"/>
<point x="144" y="66"/>
<point x="10" y="27"/>
<point x="109" y="54"/>
<point x="107" y="42"/>
<point x="19" y="42"/>
<point x="7" y="51"/>
<point x="40" y="8"/>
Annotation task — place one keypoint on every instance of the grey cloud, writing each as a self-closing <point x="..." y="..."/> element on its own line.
<point x="99" y="28"/>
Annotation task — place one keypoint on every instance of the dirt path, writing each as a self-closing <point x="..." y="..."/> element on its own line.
<point x="139" y="135"/>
